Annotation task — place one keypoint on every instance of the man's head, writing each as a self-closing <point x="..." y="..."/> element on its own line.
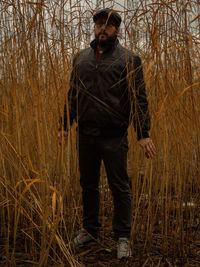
<point x="106" y="27"/>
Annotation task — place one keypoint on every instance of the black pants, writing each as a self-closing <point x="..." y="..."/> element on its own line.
<point x="113" y="151"/>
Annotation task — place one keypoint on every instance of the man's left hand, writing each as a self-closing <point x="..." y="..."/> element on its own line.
<point x="148" y="147"/>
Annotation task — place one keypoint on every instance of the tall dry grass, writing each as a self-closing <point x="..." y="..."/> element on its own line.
<point x="40" y="203"/>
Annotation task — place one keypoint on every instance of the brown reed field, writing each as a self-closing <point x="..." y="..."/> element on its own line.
<point x="40" y="196"/>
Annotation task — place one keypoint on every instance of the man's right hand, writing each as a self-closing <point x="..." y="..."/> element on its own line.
<point x="62" y="137"/>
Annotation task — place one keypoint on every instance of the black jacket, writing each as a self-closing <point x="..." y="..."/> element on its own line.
<point x="104" y="97"/>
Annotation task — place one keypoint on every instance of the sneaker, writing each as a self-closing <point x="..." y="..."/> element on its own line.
<point x="82" y="237"/>
<point x="123" y="248"/>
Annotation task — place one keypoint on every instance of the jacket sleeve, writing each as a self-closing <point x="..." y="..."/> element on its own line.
<point x="72" y="96"/>
<point x="141" y="116"/>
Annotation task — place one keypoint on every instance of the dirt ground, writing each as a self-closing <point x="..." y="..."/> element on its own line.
<point x="103" y="254"/>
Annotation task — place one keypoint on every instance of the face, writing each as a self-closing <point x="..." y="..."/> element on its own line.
<point x="105" y="29"/>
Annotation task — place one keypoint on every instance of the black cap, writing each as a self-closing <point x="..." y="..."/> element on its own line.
<point x="108" y="12"/>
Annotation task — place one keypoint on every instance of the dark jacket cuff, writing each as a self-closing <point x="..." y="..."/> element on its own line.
<point x="142" y="135"/>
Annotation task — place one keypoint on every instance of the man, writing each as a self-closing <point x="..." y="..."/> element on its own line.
<point x="107" y="91"/>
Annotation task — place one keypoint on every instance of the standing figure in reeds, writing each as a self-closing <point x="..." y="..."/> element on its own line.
<point x="107" y="91"/>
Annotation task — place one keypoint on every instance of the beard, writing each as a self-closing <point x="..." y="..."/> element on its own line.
<point x="105" y="43"/>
